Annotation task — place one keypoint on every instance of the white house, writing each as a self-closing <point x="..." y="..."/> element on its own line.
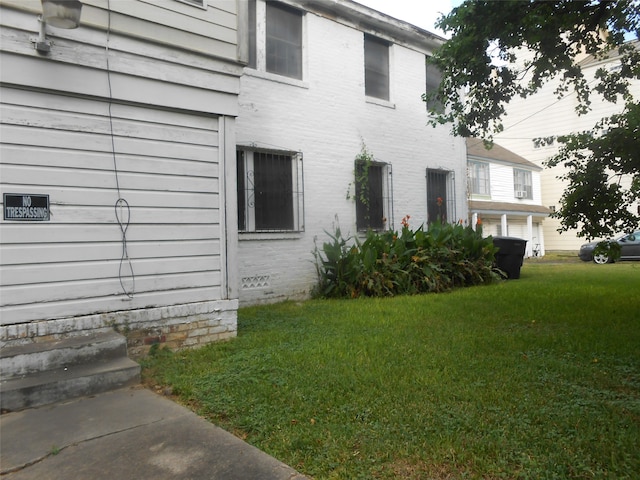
<point x="117" y="157"/>
<point x="504" y="194"/>
<point x="544" y="115"/>
<point x="324" y="79"/>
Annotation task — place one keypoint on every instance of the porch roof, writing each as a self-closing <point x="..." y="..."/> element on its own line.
<point x="500" y="208"/>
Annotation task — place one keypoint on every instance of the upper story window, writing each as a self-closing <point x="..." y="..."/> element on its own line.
<point x="284" y="40"/>
<point x="372" y="195"/>
<point x="253" y="61"/>
<point x="270" y="191"/>
<point x="434" y="77"/>
<point x="522" y="184"/>
<point x="376" y="67"/>
<point x="478" y="173"/>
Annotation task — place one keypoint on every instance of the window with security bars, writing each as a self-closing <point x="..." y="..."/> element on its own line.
<point x="284" y="40"/>
<point x="478" y="176"/>
<point x="376" y="67"/>
<point x="522" y="186"/>
<point x="270" y="191"/>
<point x="373" y="196"/>
<point x="440" y="196"/>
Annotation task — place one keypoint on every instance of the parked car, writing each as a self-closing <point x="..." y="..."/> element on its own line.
<point x="629" y="249"/>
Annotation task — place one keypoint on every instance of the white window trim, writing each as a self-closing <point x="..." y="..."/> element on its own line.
<point x="375" y="100"/>
<point x="261" y="49"/>
<point x="387" y="198"/>
<point x="523" y="187"/>
<point x="470" y="170"/>
<point x="297" y="188"/>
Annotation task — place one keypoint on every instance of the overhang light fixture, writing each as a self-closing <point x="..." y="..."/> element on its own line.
<point x="60" y="14"/>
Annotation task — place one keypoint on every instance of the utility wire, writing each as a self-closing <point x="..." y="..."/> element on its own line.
<point x="121" y="207"/>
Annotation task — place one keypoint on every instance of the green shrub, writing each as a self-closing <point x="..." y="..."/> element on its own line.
<point x="407" y="262"/>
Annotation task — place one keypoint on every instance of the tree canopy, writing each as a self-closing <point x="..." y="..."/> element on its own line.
<point x="502" y="50"/>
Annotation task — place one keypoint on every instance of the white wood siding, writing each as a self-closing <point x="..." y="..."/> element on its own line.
<point x="543" y="115"/>
<point x="168" y="171"/>
<point x="163" y="53"/>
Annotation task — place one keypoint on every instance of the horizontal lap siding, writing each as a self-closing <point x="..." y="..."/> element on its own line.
<point x="168" y="171"/>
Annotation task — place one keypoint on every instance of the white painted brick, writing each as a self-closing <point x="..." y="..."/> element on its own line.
<point x="327" y="121"/>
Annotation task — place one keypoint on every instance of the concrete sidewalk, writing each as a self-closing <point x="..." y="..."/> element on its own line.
<point x="126" y="434"/>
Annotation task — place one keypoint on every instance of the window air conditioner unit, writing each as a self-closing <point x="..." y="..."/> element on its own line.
<point x="521" y="194"/>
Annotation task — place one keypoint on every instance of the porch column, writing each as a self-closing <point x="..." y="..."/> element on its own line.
<point x="529" y="235"/>
<point x="474" y="221"/>
<point x="503" y="225"/>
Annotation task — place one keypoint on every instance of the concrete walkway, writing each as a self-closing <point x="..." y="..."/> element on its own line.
<point x="126" y="434"/>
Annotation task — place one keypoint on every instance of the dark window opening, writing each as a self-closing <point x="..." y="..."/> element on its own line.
<point x="252" y="34"/>
<point x="370" y="197"/>
<point x="437" y="199"/>
<point x="284" y="41"/>
<point x="376" y="67"/>
<point x="434" y="78"/>
<point x="273" y="192"/>
<point x="270" y="191"/>
<point x="241" y="190"/>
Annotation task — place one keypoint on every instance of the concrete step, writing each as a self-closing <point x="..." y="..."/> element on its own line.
<point x="24" y="360"/>
<point x="52" y="386"/>
<point x="40" y="374"/>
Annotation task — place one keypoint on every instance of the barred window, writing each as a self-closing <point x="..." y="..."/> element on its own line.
<point x="284" y="40"/>
<point x="270" y="191"/>
<point x="440" y="196"/>
<point x="479" y="178"/>
<point x="373" y="196"/>
<point x="522" y="186"/>
<point x="376" y="67"/>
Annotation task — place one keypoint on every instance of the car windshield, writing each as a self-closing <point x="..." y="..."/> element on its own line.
<point x="635" y="234"/>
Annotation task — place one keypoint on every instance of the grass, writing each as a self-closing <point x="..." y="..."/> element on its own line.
<point x="531" y="378"/>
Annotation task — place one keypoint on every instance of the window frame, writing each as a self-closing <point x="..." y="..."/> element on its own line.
<point x="432" y="84"/>
<point x="370" y="69"/>
<point x="248" y="209"/>
<point x="474" y="180"/>
<point x="523" y="184"/>
<point x="272" y="40"/>
<point x="252" y="33"/>
<point x="445" y="208"/>
<point x="385" y="198"/>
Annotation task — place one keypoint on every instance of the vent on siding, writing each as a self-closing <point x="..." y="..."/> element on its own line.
<point x="257" y="281"/>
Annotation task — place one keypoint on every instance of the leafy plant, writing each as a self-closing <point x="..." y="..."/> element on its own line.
<point x="495" y="55"/>
<point x="391" y="263"/>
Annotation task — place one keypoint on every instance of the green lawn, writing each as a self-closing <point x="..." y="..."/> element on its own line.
<point x="531" y="378"/>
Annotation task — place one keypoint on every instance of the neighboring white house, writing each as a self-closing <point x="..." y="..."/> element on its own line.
<point x="326" y="78"/>
<point x="545" y="115"/>
<point x="117" y="157"/>
<point x="504" y="194"/>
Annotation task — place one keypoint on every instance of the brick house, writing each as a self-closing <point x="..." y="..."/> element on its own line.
<point x="324" y="79"/>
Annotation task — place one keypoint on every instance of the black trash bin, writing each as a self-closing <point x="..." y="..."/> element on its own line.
<point x="510" y="255"/>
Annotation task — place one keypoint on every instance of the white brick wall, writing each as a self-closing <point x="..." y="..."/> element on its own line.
<point x="326" y="117"/>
